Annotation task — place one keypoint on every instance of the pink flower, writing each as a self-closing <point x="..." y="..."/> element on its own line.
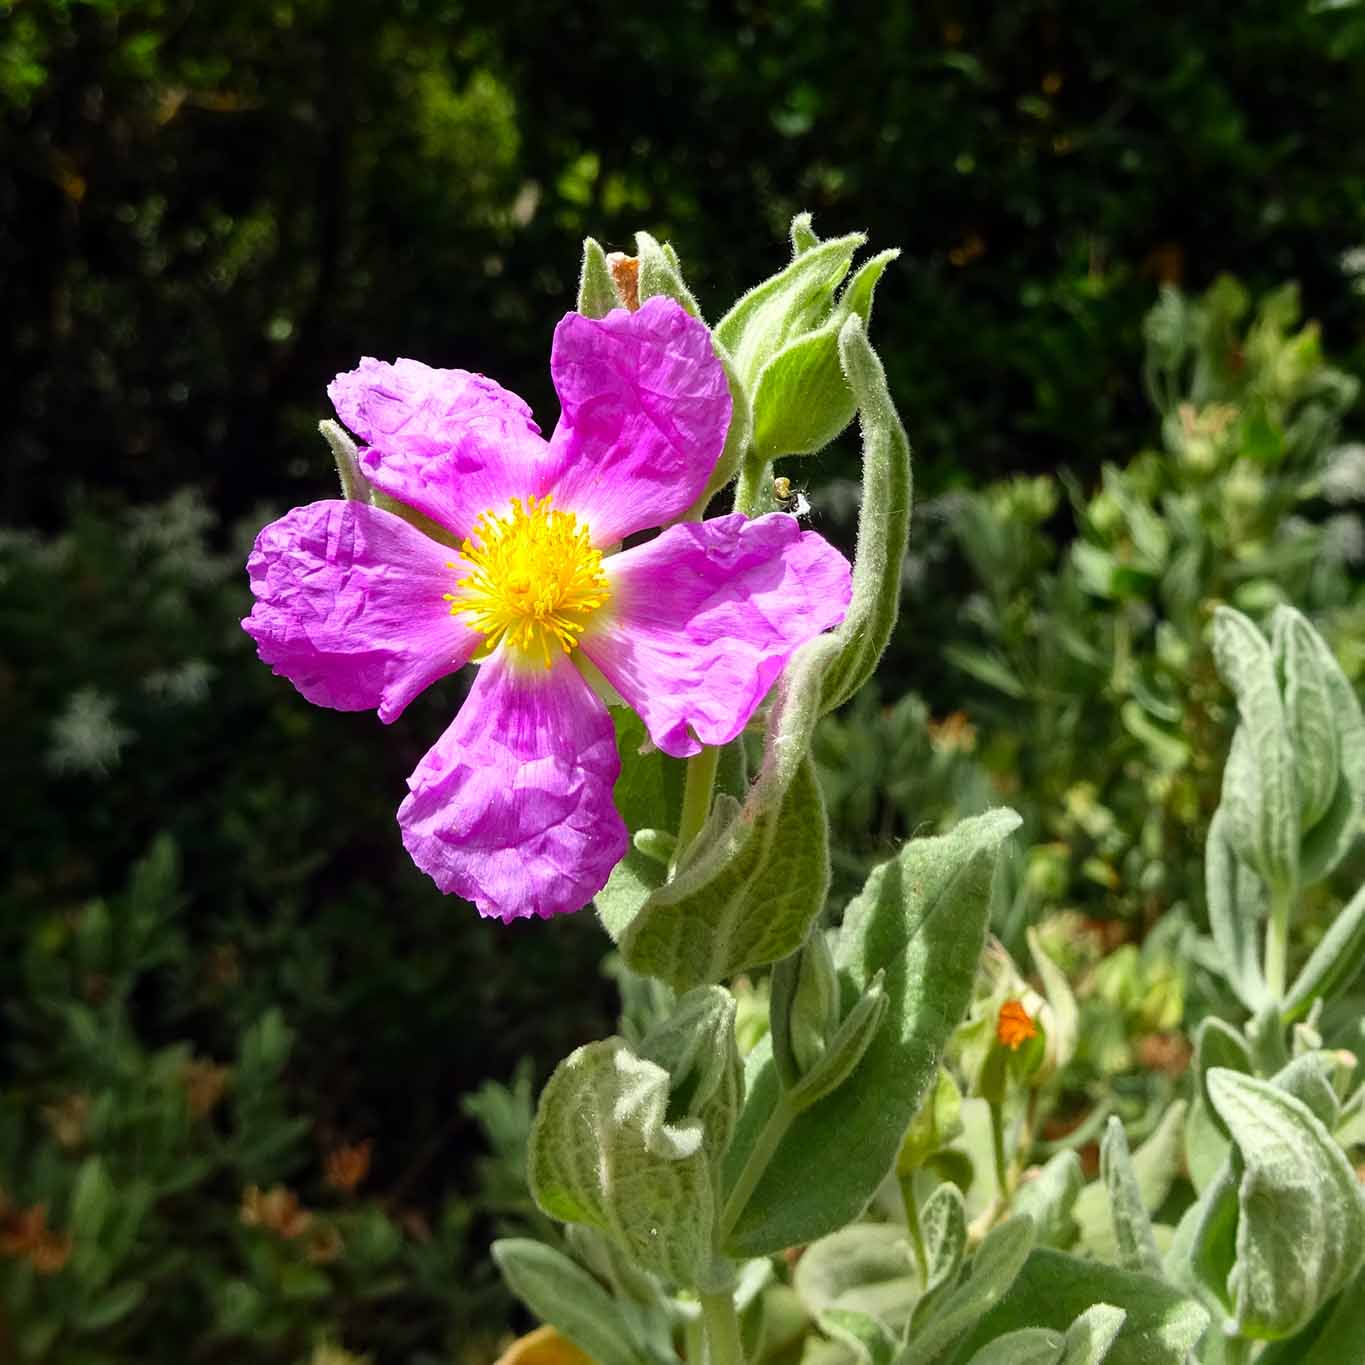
<point x="512" y="808"/>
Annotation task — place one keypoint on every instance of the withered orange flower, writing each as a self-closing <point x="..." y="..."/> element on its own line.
<point x="51" y="1252"/>
<point x="347" y="1166"/>
<point x="1014" y="1026"/>
<point x="204" y="1084"/>
<point x="277" y="1209"/>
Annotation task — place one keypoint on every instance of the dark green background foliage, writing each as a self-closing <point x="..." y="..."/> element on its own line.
<point x="208" y="210"/>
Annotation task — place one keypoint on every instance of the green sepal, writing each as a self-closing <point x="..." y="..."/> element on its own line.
<point x="801" y="398"/>
<point x="803" y="1008"/>
<point x="785" y="305"/>
<point x="355" y="487"/>
<point x="921" y="918"/>
<point x="802" y="234"/>
<point x="660" y="274"/>
<point x="883" y="524"/>
<point x="596" y="292"/>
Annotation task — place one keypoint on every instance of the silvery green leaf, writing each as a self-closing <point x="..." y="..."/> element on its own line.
<point x="93" y="1198"/>
<point x="659" y="274"/>
<point x="658" y="845"/>
<point x="883" y="523"/>
<point x="1308" y="712"/>
<point x="648" y="794"/>
<point x="865" y="1268"/>
<point x="1155" y="1165"/>
<point x="1049" y="1197"/>
<point x="1132" y="1227"/>
<point x="355" y="487"/>
<point x="802" y="234"/>
<point x="696" y="1046"/>
<point x="1161" y="1325"/>
<point x="943" y="1222"/>
<point x="801" y="399"/>
<point x="803" y="1008"/>
<point x="846" y="1049"/>
<point x="993" y="1269"/>
<point x="870" y="1341"/>
<point x="920" y="918"/>
<point x="1026" y="1346"/>
<point x="1259" y="794"/>
<point x="1336" y="1335"/>
<point x="1237" y="904"/>
<point x="602" y="1152"/>
<point x="566" y="1297"/>
<point x="1330" y="839"/>
<point x="1089" y="1338"/>
<point x="1334" y="964"/>
<point x="1301" y="1213"/>
<point x="748" y="889"/>
<point x="785" y="305"/>
<point x="1308" y="1079"/>
<point x="1217" y="1043"/>
<point x="596" y="293"/>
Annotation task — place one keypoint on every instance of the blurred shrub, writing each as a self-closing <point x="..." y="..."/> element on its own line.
<point x="239" y="1024"/>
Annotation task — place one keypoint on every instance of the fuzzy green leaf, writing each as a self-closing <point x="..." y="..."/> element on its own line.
<point x="603" y="1152"/>
<point x="921" y="919"/>
<point x="1132" y="1226"/>
<point x="1162" y="1324"/>
<point x="865" y="1268"/>
<point x="565" y="1296"/>
<point x="1237" y="903"/>
<point x="754" y="880"/>
<point x="1308" y="711"/>
<point x="1336" y="1335"/>
<point x="1049" y="1198"/>
<point x="1026" y="1346"/>
<point x="1089" y="1338"/>
<point x="997" y="1262"/>
<point x="1301" y="1212"/>
<point x="1259" y="795"/>
<point x="1334" y="964"/>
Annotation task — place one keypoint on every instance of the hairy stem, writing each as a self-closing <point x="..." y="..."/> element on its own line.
<point x="722" y="1329"/>
<point x="696" y="802"/>
<point x="1277" y="943"/>
<point x="753" y="475"/>
<point x="773" y="1132"/>
<point x="914" y="1227"/>
<point x="1002" y="1174"/>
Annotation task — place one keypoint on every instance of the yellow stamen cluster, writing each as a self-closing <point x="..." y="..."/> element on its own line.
<point x="536" y="578"/>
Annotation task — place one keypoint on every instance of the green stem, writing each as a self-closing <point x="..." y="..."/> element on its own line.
<point x="696" y="802"/>
<point x="1236" y="1350"/>
<point x="753" y="475"/>
<point x="1002" y="1175"/>
<point x="772" y="1133"/>
<point x="1277" y="943"/>
<point x="722" y="1329"/>
<point x="914" y="1226"/>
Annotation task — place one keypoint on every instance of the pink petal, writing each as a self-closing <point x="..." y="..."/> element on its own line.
<point x="512" y="807"/>
<point x="645" y="412"/>
<point x="703" y="618"/>
<point x="349" y="607"/>
<point x="449" y="443"/>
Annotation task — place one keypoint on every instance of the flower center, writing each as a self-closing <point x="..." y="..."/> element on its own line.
<point x="536" y="578"/>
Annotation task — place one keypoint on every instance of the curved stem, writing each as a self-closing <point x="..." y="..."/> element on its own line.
<point x="722" y="1329"/>
<point x="696" y="803"/>
<point x="1002" y="1175"/>
<point x="766" y="1144"/>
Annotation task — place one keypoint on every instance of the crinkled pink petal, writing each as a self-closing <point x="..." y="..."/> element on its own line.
<point x="703" y="618"/>
<point x="449" y="443"/>
<point x="645" y="410"/>
<point x="349" y="607"/>
<point x="512" y="807"/>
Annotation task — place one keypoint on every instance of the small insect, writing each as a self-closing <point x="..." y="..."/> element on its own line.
<point x="789" y="499"/>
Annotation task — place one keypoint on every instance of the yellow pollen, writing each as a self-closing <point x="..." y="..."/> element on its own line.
<point x="536" y="578"/>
